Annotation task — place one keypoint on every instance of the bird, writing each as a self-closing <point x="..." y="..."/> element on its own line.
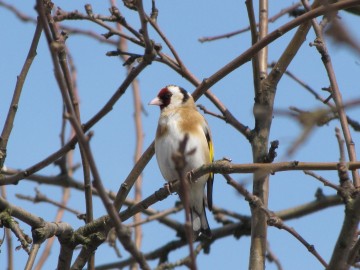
<point x="179" y="117"/>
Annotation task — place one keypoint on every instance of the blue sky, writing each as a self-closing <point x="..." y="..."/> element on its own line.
<point x="38" y="121"/>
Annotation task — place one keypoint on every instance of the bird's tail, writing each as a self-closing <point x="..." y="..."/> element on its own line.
<point x="200" y="224"/>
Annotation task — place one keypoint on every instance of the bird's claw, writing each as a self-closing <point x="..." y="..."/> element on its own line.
<point x="190" y="176"/>
<point x="168" y="188"/>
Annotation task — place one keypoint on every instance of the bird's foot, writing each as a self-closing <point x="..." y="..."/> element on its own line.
<point x="168" y="188"/>
<point x="189" y="176"/>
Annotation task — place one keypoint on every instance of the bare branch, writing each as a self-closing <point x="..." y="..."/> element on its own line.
<point x="249" y="53"/>
<point x="33" y="252"/>
<point x="272" y="257"/>
<point x="335" y="91"/>
<point x="17" y="93"/>
<point x="237" y="32"/>
<point x="7" y="234"/>
<point x="272" y="219"/>
<point x="323" y="180"/>
<point x="179" y="159"/>
<point x="7" y="221"/>
<point x="40" y="197"/>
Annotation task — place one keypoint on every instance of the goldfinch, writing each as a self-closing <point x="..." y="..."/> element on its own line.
<point x="179" y="116"/>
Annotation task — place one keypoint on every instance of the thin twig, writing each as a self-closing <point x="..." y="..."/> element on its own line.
<point x="10" y="118"/>
<point x="123" y="46"/>
<point x="272" y="257"/>
<point x="254" y="39"/>
<point x="237" y="32"/>
<point x="66" y="85"/>
<point x="272" y="219"/>
<point x="237" y="229"/>
<point x="225" y="167"/>
<point x="70" y="145"/>
<point x="341" y="143"/>
<point x="40" y="197"/>
<point x="310" y="207"/>
<point x="132" y="176"/>
<point x="120" y="229"/>
<point x="144" y="30"/>
<point x="8" y="222"/>
<point x="31" y="259"/>
<point x="179" y="159"/>
<point x="354" y="124"/>
<point x="336" y="94"/>
<point x="264" y="101"/>
<point x="158" y="215"/>
<point x="249" y="53"/>
<point x="206" y="111"/>
<point x="217" y="210"/>
<point x="9" y="244"/>
<point x="167" y="42"/>
<point x="199" y="91"/>
<point x="184" y="261"/>
<point x="47" y="250"/>
<point x="323" y="180"/>
<point x="76" y="15"/>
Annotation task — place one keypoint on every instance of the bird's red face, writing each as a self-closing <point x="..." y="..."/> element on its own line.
<point x="171" y="94"/>
<point x="165" y="97"/>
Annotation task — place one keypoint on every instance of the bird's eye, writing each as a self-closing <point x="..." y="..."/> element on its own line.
<point x="167" y="96"/>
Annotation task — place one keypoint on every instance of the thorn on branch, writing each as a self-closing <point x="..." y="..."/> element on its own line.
<point x="108" y="35"/>
<point x="90" y="135"/>
<point x="347" y="190"/>
<point x="89" y="10"/>
<point x="61" y="162"/>
<point x="81" y="216"/>
<point x="131" y="59"/>
<point x="157" y="47"/>
<point x="343" y="173"/>
<point x="320" y="46"/>
<point x="116" y="13"/>
<point x="131" y="4"/>
<point x="319" y="194"/>
<point x="329" y="90"/>
<point x="297" y="12"/>
<point x="354" y="124"/>
<point x="270" y="157"/>
<point x="154" y="11"/>
<point x="228" y="159"/>
<point x="328" y="99"/>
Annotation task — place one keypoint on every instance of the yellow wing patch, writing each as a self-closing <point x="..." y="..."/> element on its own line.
<point x="210" y="180"/>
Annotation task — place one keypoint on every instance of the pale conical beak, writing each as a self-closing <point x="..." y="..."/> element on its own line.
<point x="156" y="101"/>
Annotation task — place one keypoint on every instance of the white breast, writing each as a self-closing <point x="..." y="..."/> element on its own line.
<point x="167" y="145"/>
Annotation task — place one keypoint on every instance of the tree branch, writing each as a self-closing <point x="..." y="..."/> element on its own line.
<point x="10" y="118"/>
